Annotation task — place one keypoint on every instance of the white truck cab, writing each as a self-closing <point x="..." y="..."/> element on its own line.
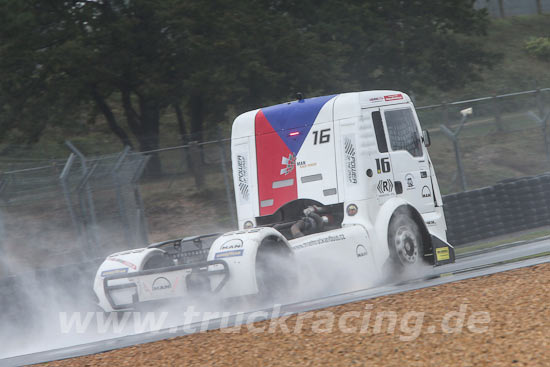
<point x="360" y="155"/>
<point x="344" y="180"/>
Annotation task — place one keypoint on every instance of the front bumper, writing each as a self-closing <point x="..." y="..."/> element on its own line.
<point x="196" y="275"/>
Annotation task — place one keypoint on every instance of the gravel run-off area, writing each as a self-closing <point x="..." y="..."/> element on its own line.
<point x="497" y="320"/>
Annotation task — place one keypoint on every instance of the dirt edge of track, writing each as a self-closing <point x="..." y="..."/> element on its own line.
<point x="515" y="304"/>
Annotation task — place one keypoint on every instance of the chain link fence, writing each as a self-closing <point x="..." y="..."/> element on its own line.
<point x="67" y="213"/>
<point x="85" y="207"/>
<point x="505" y="136"/>
<point x="194" y="194"/>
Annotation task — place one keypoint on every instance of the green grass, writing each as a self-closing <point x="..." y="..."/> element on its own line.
<point x="511" y="239"/>
<point x="542" y="254"/>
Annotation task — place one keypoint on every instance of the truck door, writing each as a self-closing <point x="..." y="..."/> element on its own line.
<point x="382" y="183"/>
<point x="409" y="160"/>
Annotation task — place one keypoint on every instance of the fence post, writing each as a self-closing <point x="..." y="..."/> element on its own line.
<point x="83" y="185"/>
<point x="539" y="6"/>
<point x="453" y="136"/>
<point x="543" y="122"/>
<point x="230" y="202"/>
<point x="445" y="113"/>
<point x="118" y="189"/>
<point x="496" y="107"/>
<point x="4" y="271"/>
<point x="545" y="133"/>
<point x="84" y="173"/>
<point x="142" y="221"/>
<point x="197" y="168"/>
<point x="501" y="8"/>
<point x="412" y="96"/>
<point x="540" y="106"/>
<point x="540" y="102"/>
<point x="69" y="202"/>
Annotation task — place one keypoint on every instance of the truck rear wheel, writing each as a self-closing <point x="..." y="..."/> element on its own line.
<point x="405" y="241"/>
<point x="275" y="270"/>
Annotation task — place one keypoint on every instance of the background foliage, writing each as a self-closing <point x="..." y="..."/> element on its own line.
<point x="134" y="61"/>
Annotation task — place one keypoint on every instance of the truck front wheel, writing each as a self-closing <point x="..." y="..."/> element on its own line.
<point x="405" y="240"/>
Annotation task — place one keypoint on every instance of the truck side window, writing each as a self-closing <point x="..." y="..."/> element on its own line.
<point x="379" y="131"/>
<point x="403" y="131"/>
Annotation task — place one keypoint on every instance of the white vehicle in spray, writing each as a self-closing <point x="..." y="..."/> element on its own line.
<point x="345" y="177"/>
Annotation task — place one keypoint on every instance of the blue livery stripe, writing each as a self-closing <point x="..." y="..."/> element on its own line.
<point x="295" y="116"/>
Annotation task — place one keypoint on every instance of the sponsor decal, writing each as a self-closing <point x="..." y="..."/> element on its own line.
<point x="232" y="244"/>
<point x="289" y="164"/>
<point x="352" y="210"/>
<point x="320" y="241"/>
<point x="385" y="186"/>
<point x="442" y="253"/>
<point x="242" y="174"/>
<point x="426" y="192"/>
<point x="393" y="97"/>
<point x="226" y="254"/>
<point x="423" y="174"/>
<point x="304" y="164"/>
<point x="409" y="180"/>
<point x="430" y="222"/>
<point x="161" y="284"/>
<point x="124" y="262"/>
<point x="350" y="160"/>
<point x="361" y="251"/>
<point x="376" y="99"/>
<point x="108" y="273"/>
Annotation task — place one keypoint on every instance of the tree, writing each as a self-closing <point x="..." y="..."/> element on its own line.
<point x="148" y="55"/>
<point x="404" y="45"/>
<point x="58" y="57"/>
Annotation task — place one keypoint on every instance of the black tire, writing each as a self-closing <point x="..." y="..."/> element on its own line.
<point x="405" y="241"/>
<point x="158" y="261"/>
<point x="275" y="270"/>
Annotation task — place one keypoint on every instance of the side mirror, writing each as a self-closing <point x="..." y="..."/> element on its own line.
<point x="426" y="138"/>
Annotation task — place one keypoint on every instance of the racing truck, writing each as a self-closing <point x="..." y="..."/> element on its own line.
<point x="345" y="179"/>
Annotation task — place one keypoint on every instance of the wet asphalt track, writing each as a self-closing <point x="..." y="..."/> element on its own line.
<point x="474" y="265"/>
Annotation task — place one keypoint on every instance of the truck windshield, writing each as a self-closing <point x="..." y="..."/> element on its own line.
<point x="403" y="132"/>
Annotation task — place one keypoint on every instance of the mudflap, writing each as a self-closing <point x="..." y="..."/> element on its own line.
<point x="443" y="253"/>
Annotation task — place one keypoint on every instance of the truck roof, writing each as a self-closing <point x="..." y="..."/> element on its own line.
<point x="302" y="113"/>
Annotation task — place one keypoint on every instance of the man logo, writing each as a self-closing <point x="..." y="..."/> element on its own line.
<point x="426" y="192"/>
<point x="361" y="251"/>
<point x="161" y="284"/>
<point x="232" y="244"/>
